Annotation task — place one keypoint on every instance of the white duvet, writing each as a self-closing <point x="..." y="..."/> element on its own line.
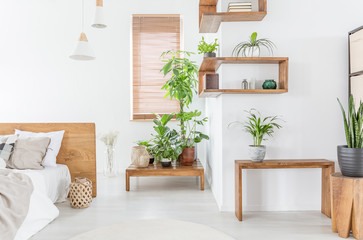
<point x="41" y="209"/>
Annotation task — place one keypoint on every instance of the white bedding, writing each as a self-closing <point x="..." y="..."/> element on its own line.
<point x="41" y="209"/>
<point x="50" y="185"/>
<point x="57" y="180"/>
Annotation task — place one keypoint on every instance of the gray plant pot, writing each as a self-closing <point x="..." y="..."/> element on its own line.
<point x="257" y="153"/>
<point x="210" y="54"/>
<point x="350" y="161"/>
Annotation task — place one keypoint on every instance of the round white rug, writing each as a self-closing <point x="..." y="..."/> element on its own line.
<point x="154" y="230"/>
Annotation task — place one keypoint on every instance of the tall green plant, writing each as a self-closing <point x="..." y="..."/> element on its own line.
<point x="258" y="127"/>
<point x="353" y="124"/>
<point x="192" y="135"/>
<point x="182" y="84"/>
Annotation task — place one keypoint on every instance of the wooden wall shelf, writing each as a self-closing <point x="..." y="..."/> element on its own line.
<point x="211" y="65"/>
<point x="210" y="19"/>
<point x="212" y="93"/>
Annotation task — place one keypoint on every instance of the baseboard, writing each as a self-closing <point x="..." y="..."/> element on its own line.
<point x="272" y="208"/>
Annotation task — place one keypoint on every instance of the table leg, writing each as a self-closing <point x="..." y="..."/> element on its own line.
<point x="238" y="191"/>
<point x="127" y="181"/>
<point x="202" y="182"/>
<point x="325" y="190"/>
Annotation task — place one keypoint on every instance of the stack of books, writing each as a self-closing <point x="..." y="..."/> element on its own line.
<point x="240" y="7"/>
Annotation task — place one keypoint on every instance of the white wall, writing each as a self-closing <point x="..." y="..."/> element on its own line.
<point x="313" y="34"/>
<point x="41" y="84"/>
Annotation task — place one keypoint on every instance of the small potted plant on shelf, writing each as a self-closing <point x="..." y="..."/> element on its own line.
<point x="252" y="47"/>
<point x="350" y="156"/>
<point x="258" y="127"/>
<point x="149" y="149"/>
<point x="166" y="142"/>
<point x="208" y="48"/>
<point x="192" y="136"/>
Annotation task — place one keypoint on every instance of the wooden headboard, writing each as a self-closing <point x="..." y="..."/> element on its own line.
<point x="78" y="150"/>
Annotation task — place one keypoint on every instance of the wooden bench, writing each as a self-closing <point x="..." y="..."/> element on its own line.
<point x="157" y="170"/>
<point x="327" y="167"/>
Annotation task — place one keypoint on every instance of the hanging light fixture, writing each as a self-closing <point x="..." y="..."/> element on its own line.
<point x="99" y="21"/>
<point x="83" y="50"/>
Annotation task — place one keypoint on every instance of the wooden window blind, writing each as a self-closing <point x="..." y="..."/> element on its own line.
<point x="151" y="36"/>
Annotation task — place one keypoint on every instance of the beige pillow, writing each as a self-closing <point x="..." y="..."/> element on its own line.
<point x="29" y="153"/>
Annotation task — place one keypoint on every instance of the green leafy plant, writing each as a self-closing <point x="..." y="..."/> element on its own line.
<point x="258" y="127"/>
<point x="205" y="47"/>
<point x="182" y="84"/>
<point x="148" y="145"/>
<point x="192" y="135"/>
<point x="353" y="123"/>
<point x="166" y="142"/>
<point x="244" y="47"/>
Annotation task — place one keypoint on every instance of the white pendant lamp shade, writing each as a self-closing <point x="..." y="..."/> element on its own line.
<point x="99" y="21"/>
<point x="83" y="50"/>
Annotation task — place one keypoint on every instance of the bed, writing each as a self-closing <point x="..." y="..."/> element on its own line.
<point x="78" y="151"/>
<point x="76" y="158"/>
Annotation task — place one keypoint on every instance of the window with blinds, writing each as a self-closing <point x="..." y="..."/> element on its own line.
<point x="151" y="36"/>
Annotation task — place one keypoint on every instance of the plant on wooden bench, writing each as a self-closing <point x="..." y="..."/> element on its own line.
<point x="166" y="142"/>
<point x="258" y="127"/>
<point x="182" y="85"/>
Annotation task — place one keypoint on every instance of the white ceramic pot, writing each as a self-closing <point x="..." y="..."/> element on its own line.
<point x="139" y="156"/>
<point x="257" y="153"/>
<point x="253" y="52"/>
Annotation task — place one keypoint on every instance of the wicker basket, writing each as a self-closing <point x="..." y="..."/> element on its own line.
<point x="81" y="193"/>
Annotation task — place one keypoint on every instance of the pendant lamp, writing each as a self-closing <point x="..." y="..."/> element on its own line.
<point x="99" y="21"/>
<point x="83" y="50"/>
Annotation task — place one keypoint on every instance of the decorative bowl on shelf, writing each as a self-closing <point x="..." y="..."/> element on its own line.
<point x="269" y="84"/>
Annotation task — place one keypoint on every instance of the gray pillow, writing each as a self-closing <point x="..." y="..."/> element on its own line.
<point x="7" y="143"/>
<point x="29" y="153"/>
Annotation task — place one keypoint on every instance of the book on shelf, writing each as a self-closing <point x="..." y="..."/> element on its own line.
<point x="243" y="7"/>
<point x="240" y="4"/>
<point x="239" y="10"/>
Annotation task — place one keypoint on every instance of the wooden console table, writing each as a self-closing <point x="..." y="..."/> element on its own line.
<point x="327" y="167"/>
<point x="157" y="170"/>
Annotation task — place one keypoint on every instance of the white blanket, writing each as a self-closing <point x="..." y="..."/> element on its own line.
<point x="41" y="209"/>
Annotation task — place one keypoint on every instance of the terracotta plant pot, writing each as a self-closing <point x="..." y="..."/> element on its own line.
<point x="187" y="156"/>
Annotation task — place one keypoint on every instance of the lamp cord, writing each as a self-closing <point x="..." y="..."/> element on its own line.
<point x="82" y="15"/>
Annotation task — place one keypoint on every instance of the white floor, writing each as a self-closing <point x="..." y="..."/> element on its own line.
<point x="179" y="198"/>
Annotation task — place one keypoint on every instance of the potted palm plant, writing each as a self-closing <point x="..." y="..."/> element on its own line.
<point x="193" y="136"/>
<point x="350" y="156"/>
<point x="258" y="127"/>
<point x="166" y="141"/>
<point x="208" y="48"/>
<point x="182" y="85"/>
<point x="252" y="47"/>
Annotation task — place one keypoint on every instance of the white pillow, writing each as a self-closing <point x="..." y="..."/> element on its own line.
<point x="50" y="159"/>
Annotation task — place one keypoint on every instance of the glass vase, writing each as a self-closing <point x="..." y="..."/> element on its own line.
<point x="110" y="169"/>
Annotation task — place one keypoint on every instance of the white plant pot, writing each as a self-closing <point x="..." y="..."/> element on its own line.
<point x="166" y="162"/>
<point x="139" y="156"/>
<point x="257" y="153"/>
<point x="253" y="52"/>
